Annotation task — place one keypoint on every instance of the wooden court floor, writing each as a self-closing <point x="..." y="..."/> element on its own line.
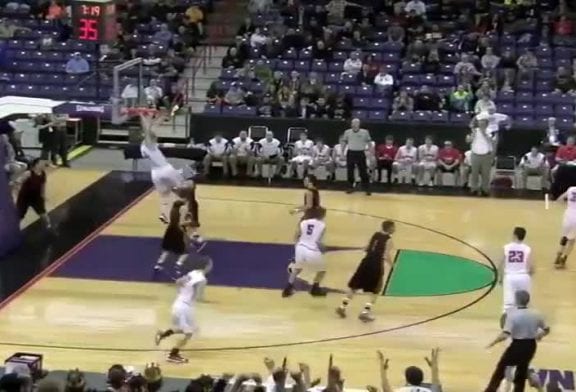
<point x="93" y="323"/>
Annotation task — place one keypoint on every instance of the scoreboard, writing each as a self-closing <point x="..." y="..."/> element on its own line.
<point x="94" y="21"/>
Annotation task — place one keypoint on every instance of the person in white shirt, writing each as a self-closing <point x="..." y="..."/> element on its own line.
<point x="534" y="163"/>
<point x="482" y="147"/>
<point x="308" y="252"/>
<point x="427" y="161"/>
<point x="322" y="155"/>
<point x="465" y="168"/>
<point x="383" y="78"/>
<point x="241" y="153"/>
<point x="484" y="105"/>
<point x="353" y="65"/>
<point x="190" y="290"/>
<point x="269" y="151"/>
<point x="495" y="121"/>
<point x="568" y="228"/>
<point x="302" y="154"/>
<point x="154" y="93"/>
<point x="258" y="38"/>
<point x="339" y="153"/>
<point x="406" y="158"/>
<point x="217" y="151"/>
<point x="418" y="6"/>
<point x="164" y="176"/>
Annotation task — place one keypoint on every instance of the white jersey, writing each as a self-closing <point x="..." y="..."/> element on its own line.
<point x="321" y="154"/>
<point x="242" y="147"/>
<point x="516" y="258"/>
<point x="533" y="161"/>
<point x="269" y="148"/>
<point x="187" y="292"/>
<point x="406" y="154"/>
<point x="153" y="153"/>
<point x="217" y="148"/>
<point x="340" y="151"/>
<point x="311" y="232"/>
<point x="303" y="147"/>
<point x="428" y="153"/>
<point x="571" y="201"/>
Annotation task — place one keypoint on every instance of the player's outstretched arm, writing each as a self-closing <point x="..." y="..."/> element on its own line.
<point x="433" y="362"/>
<point x="383" y="369"/>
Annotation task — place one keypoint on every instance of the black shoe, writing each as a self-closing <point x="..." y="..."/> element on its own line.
<point x="561" y="262"/>
<point x="317" y="291"/>
<point x="175" y="357"/>
<point x="288" y="291"/>
<point x="350" y="190"/>
<point x="368" y="193"/>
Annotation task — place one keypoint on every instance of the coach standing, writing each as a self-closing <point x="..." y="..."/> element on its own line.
<point x="358" y="140"/>
<point x="525" y="327"/>
<point x="483" y="146"/>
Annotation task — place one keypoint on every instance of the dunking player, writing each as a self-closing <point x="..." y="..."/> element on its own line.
<point x="190" y="287"/>
<point x="308" y="251"/>
<point x="164" y="176"/>
<point x="311" y="196"/>
<point x="32" y="193"/>
<point x="369" y="276"/>
<point x="568" y="228"/>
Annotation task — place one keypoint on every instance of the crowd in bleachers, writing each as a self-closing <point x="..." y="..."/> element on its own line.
<point x="439" y="61"/>
<point x="41" y="58"/>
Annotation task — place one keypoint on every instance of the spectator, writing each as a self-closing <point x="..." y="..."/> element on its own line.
<point x="564" y="27"/>
<point x="321" y="52"/>
<point x="416" y="6"/>
<point x="485" y="89"/>
<point x="489" y="61"/>
<point x="284" y="96"/>
<point x="405" y="159"/>
<point x="8" y="28"/>
<point x="433" y="34"/>
<point x="56" y="11"/>
<point x="353" y="65"/>
<point x="263" y="72"/>
<point x="259" y="6"/>
<point x="527" y="64"/>
<point x="465" y="70"/>
<point x="449" y="159"/>
<point x="385" y="154"/>
<point x="269" y="151"/>
<point x="163" y="36"/>
<point x="320" y="109"/>
<point x="340" y="110"/>
<point x="247" y="28"/>
<point x="267" y="108"/>
<point x="241" y="154"/>
<point x="294" y="82"/>
<point x="427" y="161"/>
<point x="235" y="95"/>
<point x="195" y="16"/>
<point x="293" y="39"/>
<point x="371" y="64"/>
<point x="564" y="82"/>
<point x="151" y="59"/>
<point x="383" y="78"/>
<point x="426" y="99"/>
<point x="232" y="59"/>
<point x="358" y="40"/>
<point x="130" y="95"/>
<point x="312" y="87"/>
<point x="416" y="51"/>
<point x="258" y="38"/>
<point x="484" y="105"/>
<point x="403" y="102"/>
<point x="508" y="61"/>
<point x="534" y="163"/>
<point x="414" y="376"/>
<point x="396" y="33"/>
<point x="154" y="94"/>
<point x="77" y="65"/>
<point x="217" y="151"/>
<point x="461" y="100"/>
<point x="431" y="64"/>
<point x="565" y="154"/>
<point x="414" y="24"/>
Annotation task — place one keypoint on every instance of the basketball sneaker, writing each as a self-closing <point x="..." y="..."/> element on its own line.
<point x="175" y="357"/>
<point x="164" y="219"/>
<point x="317" y="291"/>
<point x="288" y="291"/>
<point x="341" y="311"/>
<point x="366" y="316"/>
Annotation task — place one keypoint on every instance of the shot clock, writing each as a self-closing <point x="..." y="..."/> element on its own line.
<point x="94" y="20"/>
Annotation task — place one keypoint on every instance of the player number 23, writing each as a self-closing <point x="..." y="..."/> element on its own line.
<point x="516" y="256"/>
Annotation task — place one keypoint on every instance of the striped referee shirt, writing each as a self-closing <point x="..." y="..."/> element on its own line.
<point x="524" y="324"/>
<point x="357" y="140"/>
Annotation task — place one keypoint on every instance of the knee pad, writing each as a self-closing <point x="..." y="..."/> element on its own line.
<point x="563" y="241"/>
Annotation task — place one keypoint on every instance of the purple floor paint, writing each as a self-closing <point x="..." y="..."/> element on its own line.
<point x="236" y="264"/>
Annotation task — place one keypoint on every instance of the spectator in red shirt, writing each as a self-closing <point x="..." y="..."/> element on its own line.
<point x="564" y="26"/>
<point x="565" y="154"/>
<point x="449" y="159"/>
<point x="385" y="154"/>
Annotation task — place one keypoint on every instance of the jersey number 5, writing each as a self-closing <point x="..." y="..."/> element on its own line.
<point x="309" y="229"/>
<point x="516" y="256"/>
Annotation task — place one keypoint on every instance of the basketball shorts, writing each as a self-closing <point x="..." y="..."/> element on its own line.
<point x="308" y="259"/>
<point x="37" y="203"/>
<point x="446" y="170"/>
<point x="569" y="226"/>
<point x="511" y="284"/>
<point x="302" y="159"/>
<point x="165" y="178"/>
<point x="427" y="165"/>
<point x="403" y="165"/>
<point x="183" y="318"/>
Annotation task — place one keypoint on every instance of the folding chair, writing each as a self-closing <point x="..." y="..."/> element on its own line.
<point x="505" y="167"/>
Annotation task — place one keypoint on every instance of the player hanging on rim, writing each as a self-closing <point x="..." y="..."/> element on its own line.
<point x="369" y="276"/>
<point x="190" y="288"/>
<point x="568" y="228"/>
<point x="311" y="195"/>
<point x="308" y="252"/>
<point x="164" y="176"/>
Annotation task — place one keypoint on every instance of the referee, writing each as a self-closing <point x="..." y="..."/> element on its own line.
<point x="358" y="140"/>
<point x="525" y="327"/>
